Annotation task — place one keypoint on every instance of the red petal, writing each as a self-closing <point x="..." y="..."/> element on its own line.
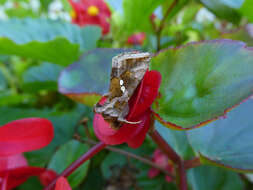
<point x="47" y="177"/>
<point x="137" y="140"/>
<point x="124" y="134"/>
<point x="62" y="184"/>
<point x="25" y="135"/>
<point x="146" y="94"/>
<point x="18" y="176"/>
<point x="13" y="161"/>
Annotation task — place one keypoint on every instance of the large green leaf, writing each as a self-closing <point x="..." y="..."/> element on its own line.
<point x="227" y="142"/>
<point x="67" y="154"/>
<point x="54" y="41"/>
<point x="89" y="78"/>
<point x="42" y="77"/>
<point x="213" y="178"/>
<point x="202" y="81"/>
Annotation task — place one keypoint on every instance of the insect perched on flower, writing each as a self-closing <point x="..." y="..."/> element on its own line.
<point x="124" y="114"/>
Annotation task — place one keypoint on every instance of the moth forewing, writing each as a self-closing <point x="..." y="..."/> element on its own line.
<point x="127" y="72"/>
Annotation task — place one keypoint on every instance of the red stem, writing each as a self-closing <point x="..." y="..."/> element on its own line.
<point x="163" y="145"/>
<point x="173" y="156"/>
<point x="188" y="164"/>
<point x="182" y="176"/>
<point x="94" y="150"/>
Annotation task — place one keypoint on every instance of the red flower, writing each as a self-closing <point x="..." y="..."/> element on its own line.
<point x="162" y="160"/>
<point x="137" y="39"/>
<point x="139" y="104"/>
<point x="91" y="12"/>
<point x="17" y="137"/>
<point x="62" y="184"/>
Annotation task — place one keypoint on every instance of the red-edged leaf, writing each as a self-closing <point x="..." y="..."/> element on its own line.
<point x="202" y="81"/>
<point x="25" y="135"/>
<point x="62" y="184"/>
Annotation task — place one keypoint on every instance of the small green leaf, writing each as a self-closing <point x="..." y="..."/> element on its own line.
<point x="3" y="82"/>
<point x="226" y="9"/>
<point x="67" y="154"/>
<point x="227" y="142"/>
<point x="202" y="81"/>
<point x="212" y="178"/>
<point x="112" y="163"/>
<point x="244" y="34"/>
<point x="46" y="40"/>
<point x="247" y="10"/>
<point x="137" y="15"/>
<point x="86" y="80"/>
<point x="42" y="77"/>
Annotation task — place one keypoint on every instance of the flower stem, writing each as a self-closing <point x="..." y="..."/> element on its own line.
<point x="163" y="145"/>
<point x="94" y="150"/>
<point x="130" y="155"/>
<point x="195" y="162"/>
<point x="173" y="156"/>
<point x="159" y="30"/>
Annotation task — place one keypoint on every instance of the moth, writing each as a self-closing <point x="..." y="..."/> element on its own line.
<point x="127" y="72"/>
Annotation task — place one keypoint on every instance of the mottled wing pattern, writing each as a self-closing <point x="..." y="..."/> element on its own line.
<point x="128" y="70"/>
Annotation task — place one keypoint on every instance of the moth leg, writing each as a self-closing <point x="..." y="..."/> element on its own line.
<point x="120" y="119"/>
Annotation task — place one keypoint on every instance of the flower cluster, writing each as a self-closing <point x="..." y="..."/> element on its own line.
<point x="139" y="110"/>
<point x="91" y="12"/>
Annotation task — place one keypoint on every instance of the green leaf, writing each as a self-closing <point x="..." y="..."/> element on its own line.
<point x="179" y="5"/>
<point x="244" y="34"/>
<point x="86" y="80"/>
<point x="247" y="10"/>
<point x="227" y="142"/>
<point x="112" y="163"/>
<point x="47" y="40"/>
<point x="3" y="82"/>
<point x="42" y="77"/>
<point x="225" y="9"/>
<point x="137" y="15"/>
<point x="67" y="154"/>
<point x="212" y="178"/>
<point x="176" y="139"/>
<point x="202" y="81"/>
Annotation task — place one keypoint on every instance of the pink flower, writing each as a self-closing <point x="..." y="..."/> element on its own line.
<point x="91" y="12"/>
<point x="139" y="104"/>
<point x="62" y="184"/>
<point x="17" y="137"/>
<point x="162" y="160"/>
<point x="137" y="39"/>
